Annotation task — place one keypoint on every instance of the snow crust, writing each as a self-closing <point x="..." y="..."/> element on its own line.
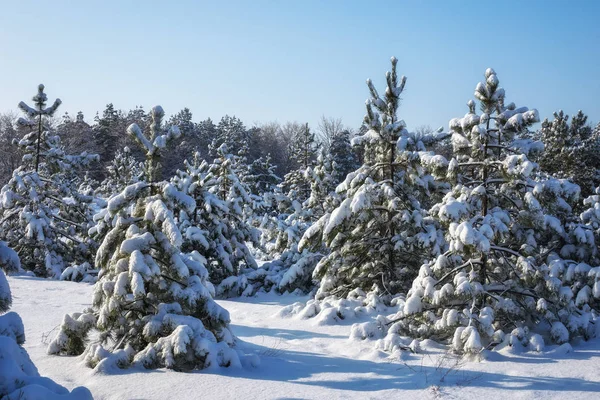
<point x="302" y="359"/>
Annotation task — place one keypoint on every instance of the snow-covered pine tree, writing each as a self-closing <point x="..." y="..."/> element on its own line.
<point x="217" y="228"/>
<point x="240" y="170"/>
<point x="302" y="153"/>
<point x="288" y="216"/>
<point x="44" y="217"/>
<point x="261" y="180"/>
<point x="343" y="157"/>
<point x="191" y="141"/>
<point x="322" y="199"/>
<point x="299" y="264"/>
<point x="378" y="234"/>
<point x="122" y="171"/>
<point x="88" y="185"/>
<point x="19" y="376"/>
<point x="499" y="282"/>
<point x="106" y="130"/>
<point x="571" y="150"/>
<point x="289" y="269"/>
<point x="262" y="177"/>
<point x="583" y="234"/>
<point x="591" y="215"/>
<point x="232" y="133"/>
<point x="283" y="227"/>
<point x="153" y="304"/>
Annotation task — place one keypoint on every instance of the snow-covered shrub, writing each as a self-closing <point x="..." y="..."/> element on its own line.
<point x="153" y="304"/>
<point x="333" y="310"/>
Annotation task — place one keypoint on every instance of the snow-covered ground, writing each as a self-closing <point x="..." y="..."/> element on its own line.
<point x="302" y="360"/>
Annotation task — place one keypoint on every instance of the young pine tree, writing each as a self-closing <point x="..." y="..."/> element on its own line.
<point x="216" y="228"/>
<point x="571" y="150"/>
<point x="303" y="150"/>
<point x="261" y="177"/>
<point x="378" y="234"/>
<point x="232" y="133"/>
<point x="499" y="280"/>
<point x="44" y="216"/>
<point x="153" y="304"/>
<point x="289" y="219"/>
<point x="122" y="171"/>
<point x="343" y="157"/>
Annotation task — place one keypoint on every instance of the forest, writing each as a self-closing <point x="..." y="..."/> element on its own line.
<point x="479" y="236"/>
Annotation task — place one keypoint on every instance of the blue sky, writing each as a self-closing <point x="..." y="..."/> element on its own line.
<point x="284" y="60"/>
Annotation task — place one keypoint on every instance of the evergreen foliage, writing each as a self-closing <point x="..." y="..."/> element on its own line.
<point x="499" y="282"/>
<point x="379" y="233"/>
<point x="106" y="132"/>
<point x="232" y="133"/>
<point x="302" y="153"/>
<point x="217" y="228"/>
<point x="343" y="157"/>
<point x="261" y="177"/>
<point x="153" y="304"/>
<point x="45" y="217"/>
<point x="576" y="145"/>
<point x="123" y="171"/>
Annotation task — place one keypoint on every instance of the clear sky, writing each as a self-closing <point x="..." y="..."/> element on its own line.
<point x="284" y="60"/>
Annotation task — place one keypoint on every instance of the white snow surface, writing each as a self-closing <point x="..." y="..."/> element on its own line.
<point x="302" y="359"/>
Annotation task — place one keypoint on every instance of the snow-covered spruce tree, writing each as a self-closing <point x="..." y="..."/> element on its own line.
<point x="499" y="282"/>
<point x="19" y="376"/>
<point x="44" y="217"/>
<point x="217" y="228"/>
<point x="571" y="150"/>
<point x="379" y="233"/>
<point x="153" y="304"/>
